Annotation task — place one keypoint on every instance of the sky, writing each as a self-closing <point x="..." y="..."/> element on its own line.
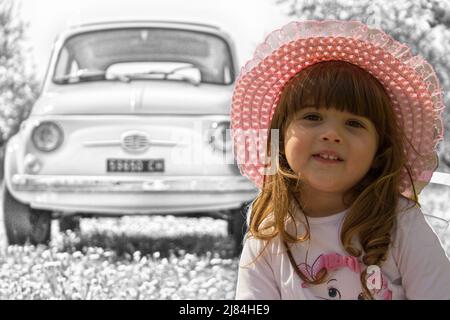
<point x="247" y="21"/>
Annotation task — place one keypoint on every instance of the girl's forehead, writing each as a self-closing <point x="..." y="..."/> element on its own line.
<point x="331" y="110"/>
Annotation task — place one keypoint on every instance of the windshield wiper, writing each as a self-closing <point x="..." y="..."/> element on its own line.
<point x="166" y="74"/>
<point x="91" y="74"/>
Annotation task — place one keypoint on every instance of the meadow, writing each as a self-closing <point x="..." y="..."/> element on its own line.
<point x="158" y="257"/>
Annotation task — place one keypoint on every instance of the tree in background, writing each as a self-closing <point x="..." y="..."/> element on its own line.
<point x="422" y="24"/>
<point x="18" y="90"/>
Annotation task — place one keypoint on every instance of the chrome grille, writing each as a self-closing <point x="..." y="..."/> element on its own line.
<point x="135" y="142"/>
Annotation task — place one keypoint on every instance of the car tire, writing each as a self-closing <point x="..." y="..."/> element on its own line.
<point x="24" y="224"/>
<point x="237" y="228"/>
<point x="71" y="223"/>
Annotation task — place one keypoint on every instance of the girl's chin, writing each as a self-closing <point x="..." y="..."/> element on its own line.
<point x="325" y="186"/>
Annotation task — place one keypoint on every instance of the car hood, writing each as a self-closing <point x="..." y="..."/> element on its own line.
<point x="136" y="97"/>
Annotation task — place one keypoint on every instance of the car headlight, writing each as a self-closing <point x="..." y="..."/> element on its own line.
<point x="220" y="138"/>
<point x="47" y="136"/>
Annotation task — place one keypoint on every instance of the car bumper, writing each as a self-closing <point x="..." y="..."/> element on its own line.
<point x="132" y="195"/>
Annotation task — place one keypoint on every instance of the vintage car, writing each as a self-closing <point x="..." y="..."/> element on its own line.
<point x="132" y="119"/>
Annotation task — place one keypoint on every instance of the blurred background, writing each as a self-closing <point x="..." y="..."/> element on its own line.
<point x="162" y="257"/>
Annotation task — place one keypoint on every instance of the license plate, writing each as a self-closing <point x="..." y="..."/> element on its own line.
<point x="135" y="165"/>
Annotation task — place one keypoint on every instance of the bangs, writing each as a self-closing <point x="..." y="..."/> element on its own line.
<point x="339" y="85"/>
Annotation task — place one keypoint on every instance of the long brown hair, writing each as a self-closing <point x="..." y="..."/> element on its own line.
<point x="372" y="203"/>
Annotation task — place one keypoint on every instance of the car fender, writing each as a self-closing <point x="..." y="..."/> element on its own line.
<point x="13" y="163"/>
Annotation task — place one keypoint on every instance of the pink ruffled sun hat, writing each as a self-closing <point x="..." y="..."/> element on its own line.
<point x="410" y="82"/>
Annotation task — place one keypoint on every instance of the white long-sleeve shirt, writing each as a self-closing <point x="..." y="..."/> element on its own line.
<point x="416" y="266"/>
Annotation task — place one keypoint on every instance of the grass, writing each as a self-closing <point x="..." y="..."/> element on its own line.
<point x="167" y="235"/>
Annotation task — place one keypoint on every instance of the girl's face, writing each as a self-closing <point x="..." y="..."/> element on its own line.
<point x="316" y="134"/>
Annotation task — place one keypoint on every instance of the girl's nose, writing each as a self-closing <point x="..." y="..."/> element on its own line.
<point x="331" y="135"/>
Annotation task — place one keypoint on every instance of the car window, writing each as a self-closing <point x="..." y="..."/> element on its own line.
<point x="208" y="54"/>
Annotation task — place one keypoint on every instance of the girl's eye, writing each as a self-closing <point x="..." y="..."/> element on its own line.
<point x="355" y="124"/>
<point x="334" y="293"/>
<point x="312" y="117"/>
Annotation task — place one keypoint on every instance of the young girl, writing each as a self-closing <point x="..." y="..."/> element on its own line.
<point x="358" y="119"/>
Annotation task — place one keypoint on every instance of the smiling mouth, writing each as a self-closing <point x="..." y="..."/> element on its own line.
<point x="329" y="160"/>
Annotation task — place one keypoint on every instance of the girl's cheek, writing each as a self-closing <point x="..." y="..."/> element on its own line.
<point x="296" y="155"/>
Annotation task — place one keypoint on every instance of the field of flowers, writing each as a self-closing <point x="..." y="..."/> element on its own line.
<point x="127" y="258"/>
<point x="144" y="258"/>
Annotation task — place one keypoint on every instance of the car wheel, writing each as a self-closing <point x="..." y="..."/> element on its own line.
<point x="237" y="228"/>
<point x="71" y="223"/>
<point x="24" y="224"/>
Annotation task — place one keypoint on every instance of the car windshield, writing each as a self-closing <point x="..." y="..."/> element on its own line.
<point x="144" y="53"/>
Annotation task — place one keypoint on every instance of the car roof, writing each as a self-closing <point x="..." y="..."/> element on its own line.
<point x="115" y="24"/>
<point x="143" y="22"/>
